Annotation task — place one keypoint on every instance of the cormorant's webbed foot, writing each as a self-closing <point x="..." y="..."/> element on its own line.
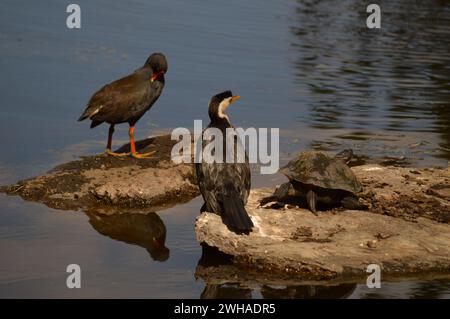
<point x="267" y="200"/>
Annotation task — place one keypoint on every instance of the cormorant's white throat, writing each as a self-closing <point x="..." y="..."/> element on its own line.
<point x="222" y="108"/>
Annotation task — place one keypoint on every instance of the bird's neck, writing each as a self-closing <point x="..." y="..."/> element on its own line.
<point x="160" y="79"/>
<point x="220" y="123"/>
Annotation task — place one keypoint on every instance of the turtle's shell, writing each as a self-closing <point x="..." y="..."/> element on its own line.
<point x="318" y="169"/>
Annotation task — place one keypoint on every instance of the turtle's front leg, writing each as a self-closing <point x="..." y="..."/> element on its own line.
<point x="311" y="198"/>
<point x="280" y="192"/>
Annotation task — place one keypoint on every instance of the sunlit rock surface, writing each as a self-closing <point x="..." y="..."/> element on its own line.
<point x="98" y="181"/>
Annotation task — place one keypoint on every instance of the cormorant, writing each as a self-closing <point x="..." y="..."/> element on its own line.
<point x="127" y="99"/>
<point x="225" y="186"/>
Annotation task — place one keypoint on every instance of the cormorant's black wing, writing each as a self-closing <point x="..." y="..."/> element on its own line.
<point x="242" y="173"/>
<point x="217" y="179"/>
<point x="208" y="177"/>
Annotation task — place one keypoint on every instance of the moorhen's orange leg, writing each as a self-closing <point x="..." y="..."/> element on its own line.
<point x="109" y="146"/>
<point x="133" y="147"/>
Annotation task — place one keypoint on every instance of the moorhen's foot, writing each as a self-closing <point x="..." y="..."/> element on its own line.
<point x="144" y="155"/>
<point x="111" y="153"/>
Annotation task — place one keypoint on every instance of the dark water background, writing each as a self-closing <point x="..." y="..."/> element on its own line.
<point x="311" y="68"/>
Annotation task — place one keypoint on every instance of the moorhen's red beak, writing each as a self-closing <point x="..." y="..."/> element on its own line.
<point x="156" y="75"/>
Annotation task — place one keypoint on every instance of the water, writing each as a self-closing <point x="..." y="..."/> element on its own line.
<point x="383" y="92"/>
<point x="310" y="68"/>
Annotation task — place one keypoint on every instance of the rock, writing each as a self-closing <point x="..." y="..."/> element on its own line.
<point x="372" y="244"/>
<point x="225" y="274"/>
<point x="406" y="193"/>
<point x="102" y="180"/>
<point x="342" y="243"/>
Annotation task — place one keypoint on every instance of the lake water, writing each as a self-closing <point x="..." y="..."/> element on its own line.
<point x="310" y="68"/>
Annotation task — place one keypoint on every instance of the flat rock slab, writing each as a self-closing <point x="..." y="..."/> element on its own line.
<point x="105" y="181"/>
<point x="407" y="193"/>
<point x="341" y="244"/>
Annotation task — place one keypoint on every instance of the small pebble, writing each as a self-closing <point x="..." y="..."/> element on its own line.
<point x="372" y="244"/>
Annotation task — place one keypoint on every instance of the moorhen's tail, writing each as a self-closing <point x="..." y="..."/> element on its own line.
<point x="83" y="117"/>
<point x="234" y="215"/>
<point x="87" y="114"/>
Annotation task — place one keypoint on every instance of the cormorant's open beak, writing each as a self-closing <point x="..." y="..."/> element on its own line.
<point x="234" y="98"/>
<point x="156" y="75"/>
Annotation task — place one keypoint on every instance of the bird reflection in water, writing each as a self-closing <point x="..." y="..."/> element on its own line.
<point x="145" y="230"/>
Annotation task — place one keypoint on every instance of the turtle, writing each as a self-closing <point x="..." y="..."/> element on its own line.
<point x="320" y="178"/>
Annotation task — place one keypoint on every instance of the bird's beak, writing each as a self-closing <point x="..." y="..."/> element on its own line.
<point x="156" y="75"/>
<point x="234" y="98"/>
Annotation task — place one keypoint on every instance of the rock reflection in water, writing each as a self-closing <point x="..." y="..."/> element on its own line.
<point x="145" y="230"/>
<point x="224" y="280"/>
<point x="308" y="292"/>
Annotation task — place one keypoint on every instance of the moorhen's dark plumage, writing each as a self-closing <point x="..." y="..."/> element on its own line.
<point x="225" y="186"/>
<point x="127" y="99"/>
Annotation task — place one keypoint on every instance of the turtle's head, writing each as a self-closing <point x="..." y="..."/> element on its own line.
<point x="345" y="155"/>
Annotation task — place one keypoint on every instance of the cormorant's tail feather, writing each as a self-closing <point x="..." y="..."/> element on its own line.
<point x="235" y="216"/>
